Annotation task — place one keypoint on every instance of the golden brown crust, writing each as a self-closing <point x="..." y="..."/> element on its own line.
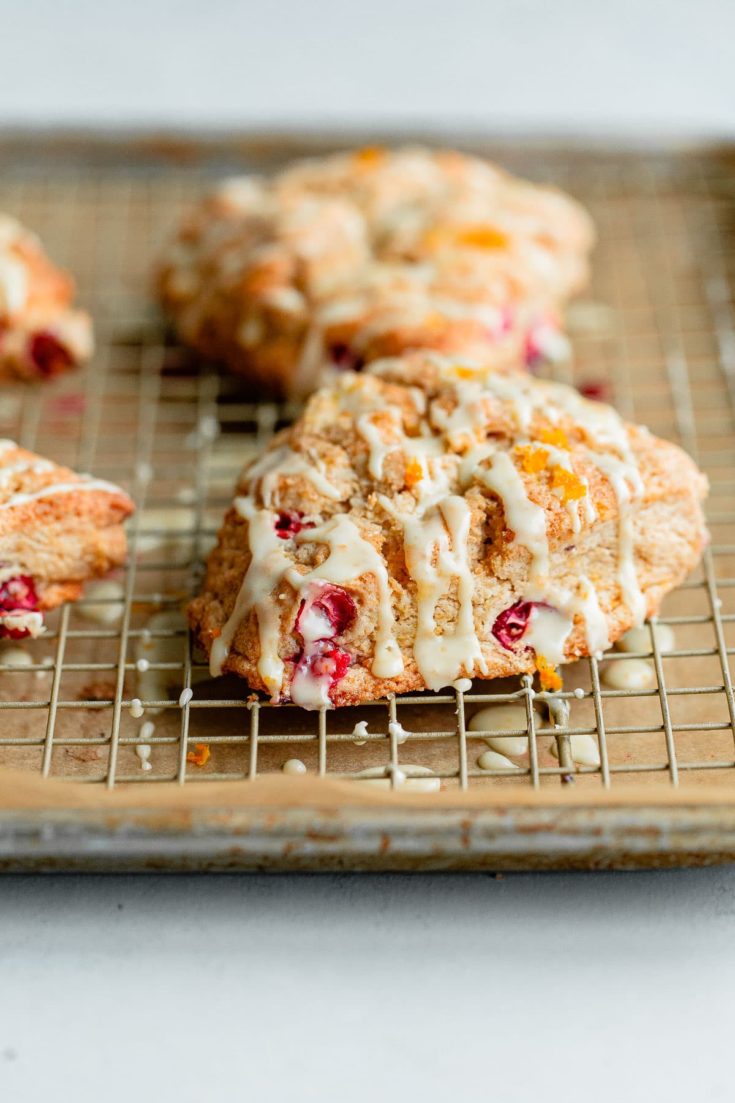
<point x="564" y="447"/>
<point x="340" y="261"/>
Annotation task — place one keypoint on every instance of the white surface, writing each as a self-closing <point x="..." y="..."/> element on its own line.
<point x="632" y="64"/>
<point x="577" y="989"/>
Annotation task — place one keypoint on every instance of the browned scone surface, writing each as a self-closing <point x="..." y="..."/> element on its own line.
<point x="336" y="262"/>
<point x="428" y="521"/>
<point x="58" y="529"/>
<point x="41" y="335"/>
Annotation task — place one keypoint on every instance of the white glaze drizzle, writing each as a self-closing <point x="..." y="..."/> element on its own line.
<point x="372" y="434"/>
<point x="143" y="748"/>
<point x="494" y="760"/>
<point x="526" y="519"/>
<point x="397" y="731"/>
<point x="586" y="604"/>
<point x="502" y="717"/>
<point x="583" y="749"/>
<point x="281" y="463"/>
<point x="267" y="567"/>
<point x="293" y="766"/>
<point x="13" y="285"/>
<point x="639" y="639"/>
<point x="547" y="633"/>
<point x="350" y="556"/>
<point x="36" y="467"/>
<point x="59" y="488"/>
<point x="629" y="674"/>
<point x="22" y="621"/>
<point x="435" y="548"/>
<point x="361" y="731"/>
<point x="406" y="776"/>
<point x="11" y="655"/>
<point x="111" y="596"/>
<point x="626" y="482"/>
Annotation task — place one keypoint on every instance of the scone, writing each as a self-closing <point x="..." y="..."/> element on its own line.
<point x="40" y="334"/>
<point x="339" y="261"/>
<point x="427" y="521"/>
<point x="57" y="530"/>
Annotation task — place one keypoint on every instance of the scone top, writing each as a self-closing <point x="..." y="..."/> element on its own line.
<point x="341" y="260"/>
<point x="428" y="521"/>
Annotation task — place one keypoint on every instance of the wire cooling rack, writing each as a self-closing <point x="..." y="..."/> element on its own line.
<point x="655" y="333"/>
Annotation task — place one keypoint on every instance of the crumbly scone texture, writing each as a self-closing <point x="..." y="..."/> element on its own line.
<point x="58" y="530"/>
<point x="339" y="261"/>
<point x="41" y="334"/>
<point x="481" y="526"/>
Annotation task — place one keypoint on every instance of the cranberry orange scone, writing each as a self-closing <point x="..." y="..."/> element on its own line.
<point x="339" y="261"/>
<point x="57" y="530"/>
<point x="40" y="334"/>
<point x="427" y="521"/>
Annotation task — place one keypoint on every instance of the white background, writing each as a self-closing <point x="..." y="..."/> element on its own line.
<point x="650" y="65"/>
<point x="556" y="988"/>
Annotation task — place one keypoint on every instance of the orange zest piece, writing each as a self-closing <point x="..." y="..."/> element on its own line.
<point x="548" y="676"/>
<point x="571" y="486"/>
<point x="481" y="237"/>
<point x="200" y="755"/>
<point x="532" y="459"/>
<point x="369" y="156"/>
<point x="556" y="437"/>
<point x="467" y="237"/>
<point x="414" y="472"/>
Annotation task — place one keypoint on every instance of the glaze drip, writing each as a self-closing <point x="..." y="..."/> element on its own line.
<point x="456" y="453"/>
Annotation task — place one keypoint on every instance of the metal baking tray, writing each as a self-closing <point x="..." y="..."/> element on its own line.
<point x="78" y="790"/>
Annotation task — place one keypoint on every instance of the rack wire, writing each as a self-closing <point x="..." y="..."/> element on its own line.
<point x="656" y="330"/>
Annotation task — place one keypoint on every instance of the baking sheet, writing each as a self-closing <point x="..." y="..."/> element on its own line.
<point x="656" y="326"/>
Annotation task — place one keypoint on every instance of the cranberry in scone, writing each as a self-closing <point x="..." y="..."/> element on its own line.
<point x="57" y="530"/>
<point x="41" y="334"/>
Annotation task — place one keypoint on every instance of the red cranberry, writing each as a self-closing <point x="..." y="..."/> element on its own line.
<point x="290" y="522"/>
<point x="17" y="595"/>
<point x="599" y="390"/>
<point x="510" y="626"/>
<point x="322" y="660"/>
<point x="325" y="612"/>
<point x="344" y="357"/>
<point x="332" y="662"/>
<point x="48" y="354"/>
<point x="334" y="604"/>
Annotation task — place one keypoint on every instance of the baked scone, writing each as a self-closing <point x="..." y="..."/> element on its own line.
<point x="40" y="334"/>
<point x="339" y="261"/>
<point x="57" y="530"/>
<point x="427" y="521"/>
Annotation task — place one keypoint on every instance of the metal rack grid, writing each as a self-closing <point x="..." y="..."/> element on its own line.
<point x="657" y="327"/>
